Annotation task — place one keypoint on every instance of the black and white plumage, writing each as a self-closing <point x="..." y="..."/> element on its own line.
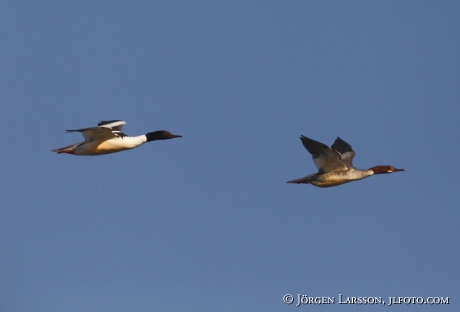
<point x="108" y="138"/>
<point x="104" y="130"/>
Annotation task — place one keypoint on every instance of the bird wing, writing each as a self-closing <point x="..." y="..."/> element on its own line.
<point x="346" y="151"/>
<point x="325" y="158"/>
<point x="106" y="130"/>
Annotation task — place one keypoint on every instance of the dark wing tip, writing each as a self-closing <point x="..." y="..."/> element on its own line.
<point x="104" y="122"/>
<point x="341" y="146"/>
<point x="313" y="147"/>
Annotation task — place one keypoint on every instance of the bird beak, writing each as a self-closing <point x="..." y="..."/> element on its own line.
<point x="175" y="136"/>
<point x="397" y="170"/>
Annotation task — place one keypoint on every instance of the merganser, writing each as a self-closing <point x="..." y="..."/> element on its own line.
<point x="335" y="164"/>
<point x="107" y="138"/>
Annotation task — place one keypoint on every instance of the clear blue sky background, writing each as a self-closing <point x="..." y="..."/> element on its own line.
<point x="207" y="222"/>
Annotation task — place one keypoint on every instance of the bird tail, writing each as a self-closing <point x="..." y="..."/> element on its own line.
<point x="304" y="180"/>
<point x="68" y="149"/>
<point x="299" y="181"/>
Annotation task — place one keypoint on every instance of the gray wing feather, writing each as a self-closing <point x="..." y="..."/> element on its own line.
<point x="346" y="151"/>
<point x="106" y="130"/>
<point x="324" y="157"/>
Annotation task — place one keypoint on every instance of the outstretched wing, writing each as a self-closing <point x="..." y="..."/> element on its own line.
<point x="107" y="130"/>
<point x="346" y="151"/>
<point x="115" y="125"/>
<point x="324" y="157"/>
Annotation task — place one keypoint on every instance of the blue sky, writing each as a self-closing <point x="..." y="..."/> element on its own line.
<point x="207" y="222"/>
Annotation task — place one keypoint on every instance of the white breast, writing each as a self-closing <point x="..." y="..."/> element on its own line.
<point x="110" y="146"/>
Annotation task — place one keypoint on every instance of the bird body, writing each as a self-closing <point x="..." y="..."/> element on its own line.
<point x="334" y="178"/>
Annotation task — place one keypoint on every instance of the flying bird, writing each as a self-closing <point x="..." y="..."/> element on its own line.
<point x="335" y="165"/>
<point x="108" y="138"/>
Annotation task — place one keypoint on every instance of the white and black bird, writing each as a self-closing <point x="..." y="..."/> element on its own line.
<point x="108" y="138"/>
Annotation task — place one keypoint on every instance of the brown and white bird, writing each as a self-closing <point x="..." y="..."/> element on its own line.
<point x="335" y="165"/>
